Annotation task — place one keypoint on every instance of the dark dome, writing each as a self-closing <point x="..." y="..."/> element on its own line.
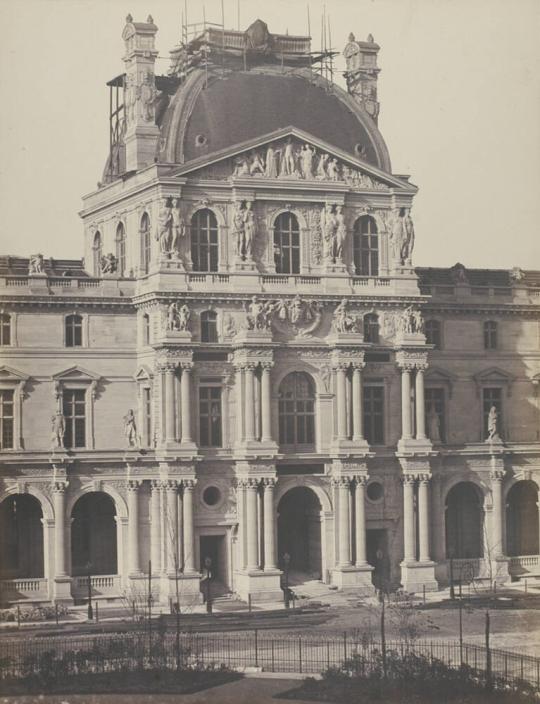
<point x="244" y="105"/>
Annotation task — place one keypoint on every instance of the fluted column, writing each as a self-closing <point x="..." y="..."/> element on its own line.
<point x="269" y="525"/>
<point x="170" y="410"/>
<point x="344" y="523"/>
<point x="358" y="403"/>
<point x="240" y="502"/>
<point x="266" y="403"/>
<point x="134" y="566"/>
<point x="59" y="500"/>
<point x="185" y="393"/>
<point x="249" y="407"/>
<point x="189" y="534"/>
<point x="171" y="524"/>
<point x="420" y="410"/>
<point x="240" y="414"/>
<point x="408" y="519"/>
<point x="360" y="511"/>
<point x="423" y="517"/>
<point x="251" y="525"/>
<point x="497" y="532"/>
<point x="155" y="527"/>
<point x="406" y="425"/>
<point x="341" y="402"/>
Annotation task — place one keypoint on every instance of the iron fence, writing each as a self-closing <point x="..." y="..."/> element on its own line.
<point x="272" y="652"/>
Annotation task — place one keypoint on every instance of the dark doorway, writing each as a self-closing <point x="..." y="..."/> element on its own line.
<point x="214" y="547"/>
<point x="464" y="522"/>
<point x="522" y="519"/>
<point x="299" y="533"/>
<point x="377" y="556"/>
<point x="93" y="535"/>
<point x="21" y="542"/>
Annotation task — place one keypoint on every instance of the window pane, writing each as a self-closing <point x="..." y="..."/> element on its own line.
<point x="374" y="414"/>
<point x="287" y="244"/>
<point x="5" y="329"/>
<point x="204" y="241"/>
<point x="297" y="410"/>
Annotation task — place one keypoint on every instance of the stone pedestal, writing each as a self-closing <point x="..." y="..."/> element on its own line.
<point x="244" y="264"/>
<point x="355" y="579"/>
<point x="417" y="575"/>
<point x="189" y="589"/>
<point x="62" y="590"/>
<point x="499" y="570"/>
<point x="260" y="585"/>
<point x="38" y="283"/>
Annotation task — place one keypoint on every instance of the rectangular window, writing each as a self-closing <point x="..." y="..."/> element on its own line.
<point x="491" y="397"/>
<point x="374" y="414"/>
<point x="6" y="419"/>
<point x="490" y="335"/>
<point x="74" y="409"/>
<point x="5" y="329"/>
<point x="210" y="418"/>
<point x="435" y="415"/>
<point x="73" y="331"/>
<point x="147" y="415"/>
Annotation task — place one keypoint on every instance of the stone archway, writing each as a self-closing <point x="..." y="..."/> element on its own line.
<point x="522" y="536"/>
<point x="299" y="533"/>
<point x="21" y="543"/>
<point x="94" y="535"/>
<point x="464" y="522"/>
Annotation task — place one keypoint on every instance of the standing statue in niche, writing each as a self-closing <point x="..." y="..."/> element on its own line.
<point x="178" y="227"/>
<point x="172" y="316"/>
<point x="165" y="224"/>
<point x="249" y="231"/>
<point x="130" y="429"/>
<point x="148" y="95"/>
<point x="493" y="424"/>
<point x="407" y="249"/>
<point x="58" y="425"/>
<point x="397" y="237"/>
<point x="341" y="234"/>
<point x="434" y="425"/>
<point x="238" y="229"/>
<point x="329" y="225"/>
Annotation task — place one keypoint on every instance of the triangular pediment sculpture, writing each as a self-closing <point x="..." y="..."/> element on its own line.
<point x="292" y="155"/>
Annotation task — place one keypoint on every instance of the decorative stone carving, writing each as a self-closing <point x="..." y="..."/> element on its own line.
<point x="459" y="274"/>
<point x="58" y="430"/>
<point x="297" y="316"/>
<point x="433" y="425"/>
<point x="410" y="322"/>
<point x="171" y="229"/>
<point x="244" y="230"/>
<point x="402" y="237"/>
<point x="109" y="264"/>
<point x="343" y="320"/>
<point x="492" y="425"/>
<point x="325" y="373"/>
<point x="35" y="265"/>
<point x="259" y="314"/>
<point x="130" y="429"/>
<point x="178" y="319"/>
<point x="139" y="98"/>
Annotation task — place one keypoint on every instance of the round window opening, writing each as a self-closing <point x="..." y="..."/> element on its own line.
<point x="375" y="491"/>
<point x="360" y="150"/>
<point x="200" y="140"/>
<point x="211" y="495"/>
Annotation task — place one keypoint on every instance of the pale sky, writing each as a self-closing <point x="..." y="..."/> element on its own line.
<point x="460" y="112"/>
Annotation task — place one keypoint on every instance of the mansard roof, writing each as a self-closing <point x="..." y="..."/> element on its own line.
<point x="446" y="276"/>
<point x="18" y="266"/>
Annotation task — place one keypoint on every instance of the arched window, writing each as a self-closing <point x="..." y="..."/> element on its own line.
<point x="73" y="330"/>
<point x="146" y="247"/>
<point x="5" y="329"/>
<point x="297" y="410"/>
<point x="204" y="241"/>
<point x="287" y="244"/>
<point x="371" y="328"/>
<point x="433" y="333"/>
<point x="121" y="248"/>
<point x="464" y="522"/>
<point x="490" y="335"/>
<point x="97" y="252"/>
<point x="366" y="246"/>
<point x="146" y="329"/>
<point x="209" y="326"/>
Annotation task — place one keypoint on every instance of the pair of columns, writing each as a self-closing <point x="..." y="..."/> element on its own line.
<point x="357" y="401"/>
<point x="252" y="524"/>
<point x="344" y="485"/>
<point x="169" y="378"/>
<point x="246" y="382"/>
<point x="407" y="369"/>
<point x="409" y="532"/>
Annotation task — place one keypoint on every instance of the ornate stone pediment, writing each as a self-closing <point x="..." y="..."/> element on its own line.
<point x="12" y="376"/>
<point x="494" y="377"/>
<point x="76" y="374"/>
<point x="291" y="155"/>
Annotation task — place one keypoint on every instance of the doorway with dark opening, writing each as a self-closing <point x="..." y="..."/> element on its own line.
<point x="377" y="556"/>
<point x="299" y="534"/>
<point x="214" y="547"/>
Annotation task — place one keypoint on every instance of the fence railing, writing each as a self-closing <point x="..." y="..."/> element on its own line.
<point x="271" y="652"/>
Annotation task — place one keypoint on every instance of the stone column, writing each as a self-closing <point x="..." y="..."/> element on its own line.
<point x="251" y="526"/>
<point x="360" y="511"/>
<point x="406" y="426"/>
<point x="497" y="530"/>
<point x="423" y="517"/>
<point x="269" y="525"/>
<point x="240" y="386"/>
<point x="344" y="523"/>
<point x="240" y="502"/>
<point x="341" y="402"/>
<point x="162" y="368"/>
<point x="358" y="403"/>
<point x="59" y="500"/>
<point x="171" y="526"/>
<point x="189" y="535"/>
<point x="249" y="408"/>
<point x="266" y="403"/>
<point x="408" y="519"/>
<point x="170" y="410"/>
<point x="134" y="566"/>
<point x="420" y="410"/>
<point x="155" y="527"/>
<point x="185" y="393"/>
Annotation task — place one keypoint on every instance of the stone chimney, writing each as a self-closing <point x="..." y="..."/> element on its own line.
<point x="142" y="133"/>
<point x="362" y="72"/>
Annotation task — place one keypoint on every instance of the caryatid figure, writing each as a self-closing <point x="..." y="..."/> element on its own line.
<point x="165" y="223"/>
<point x="249" y="230"/>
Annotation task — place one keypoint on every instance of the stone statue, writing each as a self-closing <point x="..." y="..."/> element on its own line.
<point x="321" y="166"/>
<point x="259" y="315"/>
<point x="241" y="166"/>
<point x="296" y="310"/>
<point x="130" y="429"/>
<point x="418" y="321"/>
<point x="434" y="425"/>
<point x="184" y="316"/>
<point x="272" y="157"/>
<point x="178" y="226"/>
<point x="397" y="237"/>
<point x="407" y="249"/>
<point x="109" y="264"/>
<point x="288" y="163"/>
<point x="35" y="265"/>
<point x="333" y="169"/>
<point x="130" y="98"/>
<point x="307" y="155"/>
<point x="257" y="164"/>
<point x="343" y="321"/>
<point x="341" y="234"/>
<point x="172" y="316"/>
<point x="411" y="321"/>
<point x="238" y="229"/>
<point x="148" y="94"/>
<point x="249" y="231"/>
<point x="165" y="224"/>
<point x="329" y="226"/>
<point x="492" y="424"/>
<point x="58" y="429"/>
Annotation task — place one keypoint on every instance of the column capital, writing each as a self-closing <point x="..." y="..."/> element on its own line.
<point x="156" y="484"/>
<point x="166" y="366"/>
<point x="361" y="479"/>
<point x="497" y="475"/>
<point x="341" y="482"/>
<point x="408" y="479"/>
<point x="171" y="485"/>
<point x="269" y="482"/>
<point x="408" y="361"/>
<point x="267" y="365"/>
<point x="186" y="365"/>
<point x="133" y="484"/>
<point x="59" y="487"/>
<point x="358" y="365"/>
<point x="251" y="483"/>
<point x="424" y="478"/>
<point x="189" y="484"/>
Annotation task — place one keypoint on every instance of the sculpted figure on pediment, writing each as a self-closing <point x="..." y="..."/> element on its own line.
<point x="272" y="162"/>
<point x="307" y="155"/>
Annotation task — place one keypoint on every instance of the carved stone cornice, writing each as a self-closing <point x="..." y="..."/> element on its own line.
<point x="408" y="360"/>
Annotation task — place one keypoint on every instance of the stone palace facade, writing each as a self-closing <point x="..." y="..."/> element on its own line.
<point x="246" y="374"/>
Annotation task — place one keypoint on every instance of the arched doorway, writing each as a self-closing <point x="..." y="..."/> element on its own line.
<point x="464" y="522"/>
<point x="522" y="536"/>
<point x="21" y="542"/>
<point x="93" y="535"/>
<point x="299" y="533"/>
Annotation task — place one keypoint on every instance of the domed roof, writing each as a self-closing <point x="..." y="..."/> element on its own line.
<point x="210" y="114"/>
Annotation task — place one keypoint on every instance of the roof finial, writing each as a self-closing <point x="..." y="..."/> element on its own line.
<point x="370" y="38"/>
<point x="129" y="18"/>
<point x="150" y="19"/>
<point x="351" y="37"/>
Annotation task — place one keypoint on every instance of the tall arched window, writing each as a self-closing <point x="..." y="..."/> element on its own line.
<point x="146" y="250"/>
<point x="287" y="244"/>
<point x="209" y="326"/>
<point x="73" y="330"/>
<point x="121" y="248"/>
<point x="297" y="410"/>
<point x="433" y="333"/>
<point x="366" y="246"/>
<point x="146" y="329"/>
<point x="97" y="252"/>
<point x="204" y="241"/>
<point x="5" y="329"/>
<point x="371" y="328"/>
